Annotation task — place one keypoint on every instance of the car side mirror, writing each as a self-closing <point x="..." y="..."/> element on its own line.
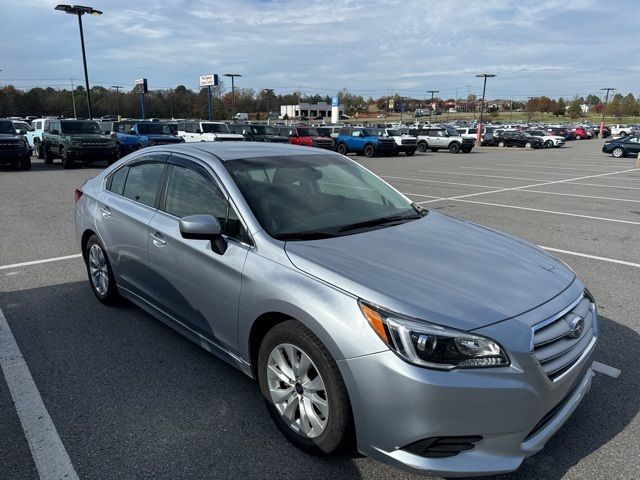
<point x="293" y="134"/>
<point x="198" y="131"/>
<point x="54" y="132"/>
<point x="204" y="227"/>
<point x="22" y="131"/>
<point x="107" y="132"/>
<point x="132" y="132"/>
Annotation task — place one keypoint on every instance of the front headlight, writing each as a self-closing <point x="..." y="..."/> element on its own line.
<point x="433" y="346"/>
<point x="21" y="144"/>
<point x="151" y="143"/>
<point x="75" y="144"/>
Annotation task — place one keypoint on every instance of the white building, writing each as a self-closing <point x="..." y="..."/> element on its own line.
<point x="310" y="110"/>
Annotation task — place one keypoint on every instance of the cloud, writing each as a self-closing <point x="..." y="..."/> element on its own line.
<point x="371" y="47"/>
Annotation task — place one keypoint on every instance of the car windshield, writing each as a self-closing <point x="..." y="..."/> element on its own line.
<point x="263" y="130"/>
<point x="21" y="126"/>
<point x="526" y="134"/>
<point x="392" y="132"/>
<point x="80" y="127"/>
<point x="153" y="129"/>
<point x="452" y="132"/>
<point x="537" y="132"/>
<point x="7" y="127"/>
<point x="305" y="197"/>
<point x="307" y="132"/>
<point x="215" y="128"/>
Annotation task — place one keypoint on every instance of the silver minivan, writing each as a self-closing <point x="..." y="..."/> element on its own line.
<point x="433" y="344"/>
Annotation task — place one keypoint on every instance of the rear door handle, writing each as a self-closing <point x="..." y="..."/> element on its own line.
<point x="106" y="211"/>
<point x="158" y="239"/>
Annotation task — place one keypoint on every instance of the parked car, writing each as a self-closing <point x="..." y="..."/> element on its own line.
<point x="259" y="133"/>
<point x="467" y="132"/>
<point x="203" y="131"/>
<point x="440" y="346"/>
<point x="307" y="137"/>
<point x="623" y="146"/>
<point x="518" y="139"/>
<point x="562" y="132"/>
<point x="77" y="141"/>
<point x="580" y="133"/>
<point x="364" y="141"/>
<point x="14" y="148"/>
<point x="34" y="136"/>
<point x="241" y="117"/>
<point x="621" y="130"/>
<point x="404" y="143"/>
<point x="439" y="138"/>
<point x="21" y="125"/>
<point x="549" y="141"/>
<point x="132" y="135"/>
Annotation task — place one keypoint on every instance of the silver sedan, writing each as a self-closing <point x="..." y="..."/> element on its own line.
<point x="433" y="344"/>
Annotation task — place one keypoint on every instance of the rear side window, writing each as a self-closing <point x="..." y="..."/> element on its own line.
<point x="142" y="182"/>
<point x="118" y="178"/>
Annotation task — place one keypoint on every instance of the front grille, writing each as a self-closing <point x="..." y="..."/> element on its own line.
<point x="409" y="142"/>
<point x="557" y="345"/>
<point x="227" y="139"/>
<point x="9" y="145"/>
<point x="323" y="143"/>
<point x="442" y="447"/>
<point x="95" y="144"/>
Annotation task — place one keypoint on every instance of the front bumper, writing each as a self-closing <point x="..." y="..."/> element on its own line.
<point x="407" y="148"/>
<point x="396" y="404"/>
<point x="93" y="154"/>
<point x="13" y="156"/>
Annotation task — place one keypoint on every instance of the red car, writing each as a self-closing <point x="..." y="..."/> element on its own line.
<point x="309" y="137"/>
<point x="580" y="133"/>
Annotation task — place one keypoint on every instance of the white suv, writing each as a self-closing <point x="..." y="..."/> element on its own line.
<point x="34" y="136"/>
<point x="404" y="143"/>
<point x="200" y="131"/>
<point x="621" y="130"/>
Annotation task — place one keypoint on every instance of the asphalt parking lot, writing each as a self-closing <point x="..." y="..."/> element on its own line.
<point x="130" y="398"/>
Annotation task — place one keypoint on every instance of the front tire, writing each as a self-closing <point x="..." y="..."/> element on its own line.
<point x="501" y="144"/>
<point x="454" y="147"/>
<point x="46" y="154"/>
<point x="38" y="149"/>
<point x="578" y="137"/>
<point x="618" y="152"/>
<point x="342" y="149"/>
<point x="422" y="146"/>
<point x="548" y="144"/>
<point x="303" y="389"/>
<point x="528" y="145"/>
<point x="25" y="163"/>
<point x="369" y="151"/>
<point x="101" y="279"/>
<point x="66" y="161"/>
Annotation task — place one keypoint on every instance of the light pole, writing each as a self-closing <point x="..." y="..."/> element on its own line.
<point x="117" y="87"/>
<point x="79" y="10"/>
<point x="431" y="106"/>
<point x="484" y="89"/>
<point x="604" y="110"/>
<point x="233" y="92"/>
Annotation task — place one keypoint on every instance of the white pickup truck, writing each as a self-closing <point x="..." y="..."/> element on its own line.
<point x="203" y="131"/>
<point x="34" y="136"/>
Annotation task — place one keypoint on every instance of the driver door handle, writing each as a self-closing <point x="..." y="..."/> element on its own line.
<point x="158" y="239"/>
<point x="106" y="211"/>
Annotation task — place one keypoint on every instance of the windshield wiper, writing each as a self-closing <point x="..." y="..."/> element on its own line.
<point x="380" y="221"/>
<point x="310" y="235"/>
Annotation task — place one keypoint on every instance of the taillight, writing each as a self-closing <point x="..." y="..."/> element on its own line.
<point x="78" y="194"/>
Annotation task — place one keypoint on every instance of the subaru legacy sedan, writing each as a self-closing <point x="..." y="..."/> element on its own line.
<point x="433" y="344"/>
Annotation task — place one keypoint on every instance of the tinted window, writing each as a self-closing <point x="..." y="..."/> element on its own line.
<point x="142" y="182"/>
<point x="7" y="128"/>
<point x="190" y="193"/>
<point x="118" y="178"/>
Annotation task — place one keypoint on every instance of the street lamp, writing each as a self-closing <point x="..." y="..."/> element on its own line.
<point x="117" y="87"/>
<point x="484" y="89"/>
<point x="604" y="110"/>
<point x="233" y="92"/>
<point x="431" y="106"/>
<point x="79" y="10"/>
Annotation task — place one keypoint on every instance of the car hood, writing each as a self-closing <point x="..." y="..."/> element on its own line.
<point x="163" y="137"/>
<point x="10" y="136"/>
<point x="86" y="136"/>
<point x="438" y="269"/>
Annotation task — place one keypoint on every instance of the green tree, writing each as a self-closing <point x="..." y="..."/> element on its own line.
<point x="574" y="110"/>
<point x="560" y="108"/>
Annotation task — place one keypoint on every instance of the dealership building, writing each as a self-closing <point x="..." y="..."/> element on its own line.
<point x="310" y="110"/>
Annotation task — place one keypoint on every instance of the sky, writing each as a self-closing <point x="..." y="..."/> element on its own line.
<point x="372" y="47"/>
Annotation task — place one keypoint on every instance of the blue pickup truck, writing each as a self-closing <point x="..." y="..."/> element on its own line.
<point x="132" y="135"/>
<point x="364" y="141"/>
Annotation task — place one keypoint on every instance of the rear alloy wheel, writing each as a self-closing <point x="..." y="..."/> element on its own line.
<point x="369" y="151"/>
<point x="303" y="389"/>
<point x="548" y="144"/>
<point x="578" y="137"/>
<point x="342" y="149"/>
<point x="25" y="163"/>
<point x="454" y="147"/>
<point x="66" y="161"/>
<point x="618" y="152"/>
<point x="99" y="270"/>
<point x="38" y="149"/>
<point x="528" y="145"/>
<point x="501" y="144"/>
<point x="422" y="146"/>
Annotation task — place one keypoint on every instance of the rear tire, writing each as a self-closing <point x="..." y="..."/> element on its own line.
<point x="329" y="403"/>
<point x="101" y="279"/>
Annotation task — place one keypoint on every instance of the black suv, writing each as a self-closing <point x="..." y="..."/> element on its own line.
<point x="258" y="133"/>
<point x="517" y="139"/>
<point x="14" y="148"/>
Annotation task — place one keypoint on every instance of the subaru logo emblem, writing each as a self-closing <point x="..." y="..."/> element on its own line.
<point x="576" y="327"/>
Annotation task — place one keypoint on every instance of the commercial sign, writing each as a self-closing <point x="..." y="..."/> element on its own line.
<point x="208" y="80"/>
<point x="335" y="102"/>
<point x="141" y="85"/>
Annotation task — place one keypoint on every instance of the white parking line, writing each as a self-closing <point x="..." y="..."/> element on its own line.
<point x="620" y="187"/>
<point x="606" y="369"/>
<point x="36" y="262"/>
<point x="580" y="196"/>
<point x="438" y="181"/>
<point x="512" y="170"/>
<point x="480" y="175"/>
<point x="592" y="257"/>
<point x="554" y="167"/>
<point x="420" y="195"/>
<point x="605" y="219"/>
<point x="49" y="455"/>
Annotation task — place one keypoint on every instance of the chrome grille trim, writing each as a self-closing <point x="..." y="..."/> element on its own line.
<point x="552" y="345"/>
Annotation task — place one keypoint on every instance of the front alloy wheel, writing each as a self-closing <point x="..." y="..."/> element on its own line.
<point x="618" y="152"/>
<point x="369" y="151"/>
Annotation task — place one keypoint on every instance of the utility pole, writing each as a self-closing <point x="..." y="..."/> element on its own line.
<point x="431" y="106"/>
<point x="484" y="90"/>
<point x="604" y="110"/>
<point x="529" y="108"/>
<point x="73" y="99"/>
<point x="511" y="111"/>
<point x="233" y="92"/>
<point x="117" y="87"/>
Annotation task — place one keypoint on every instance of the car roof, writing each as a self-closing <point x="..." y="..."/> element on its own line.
<point x="226" y="151"/>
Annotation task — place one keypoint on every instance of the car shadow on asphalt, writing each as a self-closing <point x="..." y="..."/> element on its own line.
<point x="132" y="398"/>
<point x="39" y="166"/>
